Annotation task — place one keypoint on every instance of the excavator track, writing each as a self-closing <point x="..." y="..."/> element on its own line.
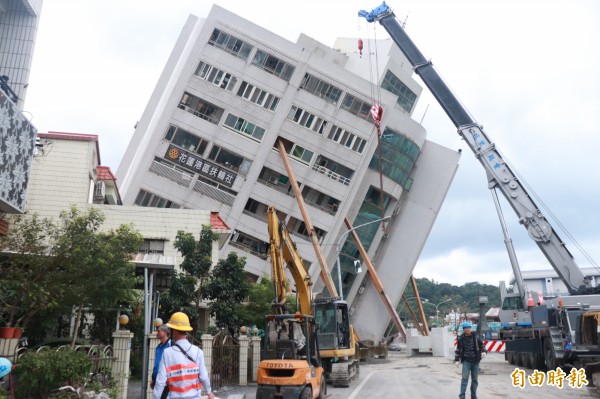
<point x="343" y="373"/>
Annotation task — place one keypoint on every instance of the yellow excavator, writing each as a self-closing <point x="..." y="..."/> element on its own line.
<point x="291" y="367"/>
<point x="305" y="349"/>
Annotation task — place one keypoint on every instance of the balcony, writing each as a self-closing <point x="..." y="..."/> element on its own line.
<point x="171" y="173"/>
<point x="331" y="174"/>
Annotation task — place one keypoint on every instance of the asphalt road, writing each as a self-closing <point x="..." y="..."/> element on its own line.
<point x="426" y="377"/>
<point x="423" y="376"/>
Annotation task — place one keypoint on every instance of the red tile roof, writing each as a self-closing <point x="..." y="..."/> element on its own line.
<point x="69" y="136"/>
<point x="104" y="173"/>
<point x="216" y="222"/>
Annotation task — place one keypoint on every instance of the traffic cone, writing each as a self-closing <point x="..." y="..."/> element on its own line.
<point x="530" y="299"/>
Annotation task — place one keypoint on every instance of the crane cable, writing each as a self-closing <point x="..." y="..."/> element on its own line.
<point x="376" y="98"/>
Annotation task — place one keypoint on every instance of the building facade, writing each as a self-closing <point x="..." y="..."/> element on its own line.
<point x="549" y="284"/>
<point x="231" y="90"/>
<point x="67" y="172"/>
<point x="18" y="29"/>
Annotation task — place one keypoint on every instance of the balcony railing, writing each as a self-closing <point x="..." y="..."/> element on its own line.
<point x="262" y="255"/>
<point x="171" y="173"/>
<point x="331" y="174"/>
<point x="209" y="118"/>
<point x="214" y="193"/>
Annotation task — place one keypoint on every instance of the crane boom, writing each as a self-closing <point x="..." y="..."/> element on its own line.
<point x="499" y="174"/>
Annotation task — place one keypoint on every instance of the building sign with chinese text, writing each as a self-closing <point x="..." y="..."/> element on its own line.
<point x="198" y="165"/>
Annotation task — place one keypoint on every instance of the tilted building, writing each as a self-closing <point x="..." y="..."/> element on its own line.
<point x="207" y="140"/>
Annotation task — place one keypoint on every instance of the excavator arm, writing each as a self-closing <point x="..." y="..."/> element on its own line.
<point x="283" y="253"/>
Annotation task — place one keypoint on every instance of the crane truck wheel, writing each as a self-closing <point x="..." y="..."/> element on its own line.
<point x="509" y="357"/>
<point x="549" y="356"/>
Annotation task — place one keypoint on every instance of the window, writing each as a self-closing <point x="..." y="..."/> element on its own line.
<point x="216" y="76"/>
<point x="152" y="247"/>
<point x="406" y="98"/>
<point x="273" y="65"/>
<point x="230" y="43"/>
<point x="347" y="139"/>
<point x="185" y="139"/>
<point x="258" y="96"/>
<point x="306" y="119"/>
<point x="243" y="126"/>
<point x="201" y="108"/>
<point x="320" y="88"/>
<point x="357" y="107"/>
<point x="145" y="198"/>
<point x="398" y="157"/>
<point x="299" y="153"/>
<point x="229" y="159"/>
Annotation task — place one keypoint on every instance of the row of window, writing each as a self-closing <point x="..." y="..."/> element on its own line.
<point x="242" y="49"/>
<point x="318" y="125"/>
<point x="398" y="157"/>
<point x="312" y="84"/>
<point x="320" y="88"/>
<point x="227" y="82"/>
<point x="145" y="198"/>
<point x="406" y="98"/>
<point x="218" y="154"/>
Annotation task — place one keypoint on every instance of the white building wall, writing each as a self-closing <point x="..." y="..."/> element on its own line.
<point x="61" y="177"/>
<point x="341" y="67"/>
<point x="407" y="235"/>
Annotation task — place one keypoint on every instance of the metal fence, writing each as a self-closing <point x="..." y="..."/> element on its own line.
<point x="225" y="367"/>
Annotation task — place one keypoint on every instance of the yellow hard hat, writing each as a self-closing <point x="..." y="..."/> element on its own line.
<point x="179" y="321"/>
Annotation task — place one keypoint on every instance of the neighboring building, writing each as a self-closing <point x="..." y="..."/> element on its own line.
<point x="67" y="172"/>
<point x="18" y="29"/>
<point x="207" y="139"/>
<point x="549" y="284"/>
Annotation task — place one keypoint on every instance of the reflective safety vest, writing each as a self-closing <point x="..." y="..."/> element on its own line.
<point x="183" y="378"/>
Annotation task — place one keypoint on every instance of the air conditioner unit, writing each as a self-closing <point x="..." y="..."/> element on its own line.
<point x="273" y="179"/>
<point x="99" y="190"/>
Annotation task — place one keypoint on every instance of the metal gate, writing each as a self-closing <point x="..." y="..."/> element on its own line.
<point x="225" y="361"/>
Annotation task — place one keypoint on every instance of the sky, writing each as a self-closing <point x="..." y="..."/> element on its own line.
<point x="525" y="70"/>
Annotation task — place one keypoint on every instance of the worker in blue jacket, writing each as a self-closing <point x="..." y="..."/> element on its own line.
<point x="469" y="351"/>
<point x="162" y="333"/>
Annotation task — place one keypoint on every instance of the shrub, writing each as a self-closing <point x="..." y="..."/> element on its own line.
<point x="39" y="373"/>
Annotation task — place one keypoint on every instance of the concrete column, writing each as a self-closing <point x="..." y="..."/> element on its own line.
<point x="152" y="344"/>
<point x="255" y="342"/>
<point x="122" y="351"/>
<point x="440" y="342"/>
<point x="243" y="360"/>
<point x="8" y="348"/>
<point x="207" y="349"/>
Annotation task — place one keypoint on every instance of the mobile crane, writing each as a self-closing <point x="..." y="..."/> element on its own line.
<point x="561" y="331"/>
<point x="294" y="365"/>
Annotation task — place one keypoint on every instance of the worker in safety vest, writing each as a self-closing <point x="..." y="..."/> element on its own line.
<point x="182" y="372"/>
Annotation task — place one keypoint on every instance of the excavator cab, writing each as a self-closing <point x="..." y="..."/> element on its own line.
<point x="334" y="325"/>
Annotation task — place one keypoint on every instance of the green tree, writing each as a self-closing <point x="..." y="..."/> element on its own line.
<point x="227" y="289"/>
<point x="98" y="271"/>
<point x="186" y="293"/>
<point x="48" y="269"/>
<point x="260" y="297"/>
<point x="27" y="284"/>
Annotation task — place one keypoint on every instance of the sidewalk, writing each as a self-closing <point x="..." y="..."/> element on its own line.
<point x="134" y="391"/>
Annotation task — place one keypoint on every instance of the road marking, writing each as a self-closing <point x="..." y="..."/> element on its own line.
<point x="359" y="387"/>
